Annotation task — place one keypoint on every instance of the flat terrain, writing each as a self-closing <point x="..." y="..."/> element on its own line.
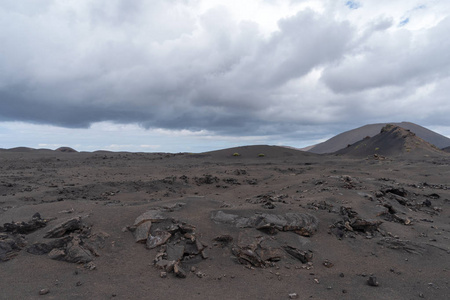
<point x="380" y="220"/>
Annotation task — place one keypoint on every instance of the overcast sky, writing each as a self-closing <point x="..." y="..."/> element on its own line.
<point x="182" y="75"/>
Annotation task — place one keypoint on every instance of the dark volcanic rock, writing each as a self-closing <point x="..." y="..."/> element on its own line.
<point x="76" y="253"/>
<point x="179" y="271"/>
<point x="224" y="239"/>
<point x="25" y="227"/>
<point x="396" y="191"/>
<point x="70" y="241"/>
<point x="365" y="225"/>
<point x="247" y="256"/>
<point x="403" y="245"/>
<point x="303" y="256"/>
<point x="142" y="232"/>
<point x="174" y="252"/>
<point x="157" y="238"/>
<point x="65" y="228"/>
<point x="46" y="247"/>
<point x="303" y="224"/>
<point x="154" y="216"/>
<point x="372" y="281"/>
<point x="10" y="245"/>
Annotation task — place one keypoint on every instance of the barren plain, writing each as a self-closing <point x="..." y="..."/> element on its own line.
<point x="256" y="222"/>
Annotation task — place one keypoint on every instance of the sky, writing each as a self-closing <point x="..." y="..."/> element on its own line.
<point x="200" y="75"/>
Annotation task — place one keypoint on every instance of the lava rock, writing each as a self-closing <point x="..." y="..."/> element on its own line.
<point x="25" y="227"/>
<point x="142" y="232"/>
<point x="65" y="228"/>
<point x="157" y="238"/>
<point x="154" y="216"/>
<point x="303" y="256"/>
<point x="372" y="281"/>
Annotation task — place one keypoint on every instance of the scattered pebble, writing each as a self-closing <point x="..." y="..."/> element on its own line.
<point x="328" y="263"/>
<point x="372" y="281"/>
<point x="44" y="292"/>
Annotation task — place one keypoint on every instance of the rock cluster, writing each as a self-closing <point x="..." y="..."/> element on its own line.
<point x="23" y="227"/>
<point x="12" y="238"/>
<point x="178" y="241"/>
<point x="70" y="241"/>
<point x="10" y="245"/>
<point x="352" y="223"/>
<point x="256" y="245"/>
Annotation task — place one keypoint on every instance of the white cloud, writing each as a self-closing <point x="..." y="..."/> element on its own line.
<point x="220" y="69"/>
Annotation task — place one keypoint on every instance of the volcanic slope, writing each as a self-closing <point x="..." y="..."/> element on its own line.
<point x="392" y="141"/>
<point x="341" y="141"/>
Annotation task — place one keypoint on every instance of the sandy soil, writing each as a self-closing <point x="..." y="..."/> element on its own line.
<point x="407" y="250"/>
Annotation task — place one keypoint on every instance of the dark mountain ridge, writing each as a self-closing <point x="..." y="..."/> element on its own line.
<point x="346" y="138"/>
<point x="391" y="141"/>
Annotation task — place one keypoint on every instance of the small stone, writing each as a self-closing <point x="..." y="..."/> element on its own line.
<point x="204" y="254"/>
<point x="199" y="245"/>
<point x="79" y="283"/>
<point x="44" y="292"/>
<point x="372" y="281"/>
<point x="90" y="266"/>
<point x="163" y="274"/>
<point x="200" y="274"/>
<point x="316" y="280"/>
<point x="179" y="272"/>
<point x="328" y="264"/>
<point x="166" y="265"/>
<point x="341" y="275"/>
<point x="293" y="296"/>
<point x="57" y="254"/>
<point x="187" y="228"/>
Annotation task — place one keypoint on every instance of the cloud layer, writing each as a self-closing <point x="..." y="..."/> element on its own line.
<point x="200" y="65"/>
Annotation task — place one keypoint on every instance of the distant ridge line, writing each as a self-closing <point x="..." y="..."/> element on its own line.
<point x="346" y="138"/>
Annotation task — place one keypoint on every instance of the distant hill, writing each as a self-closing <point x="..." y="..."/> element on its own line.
<point x="341" y="141"/>
<point x="258" y="151"/>
<point x="32" y="150"/>
<point x="66" y="149"/>
<point x="25" y="149"/>
<point x="391" y="141"/>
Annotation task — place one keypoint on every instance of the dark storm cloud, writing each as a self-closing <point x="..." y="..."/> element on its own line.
<point x="162" y="66"/>
<point x="218" y="78"/>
